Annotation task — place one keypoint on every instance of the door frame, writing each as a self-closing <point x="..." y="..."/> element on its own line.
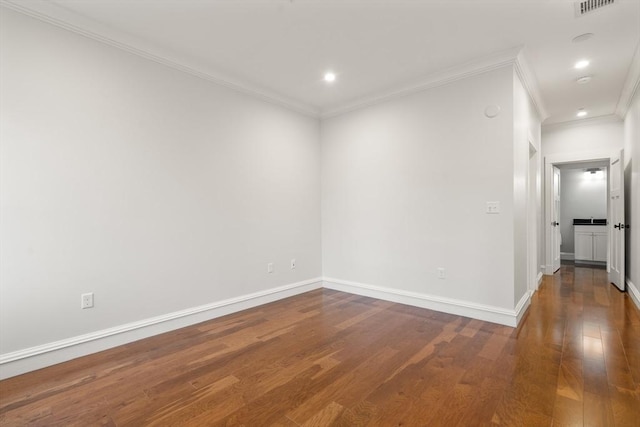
<point x="556" y="160"/>
<point x="555" y="210"/>
<point x="534" y="274"/>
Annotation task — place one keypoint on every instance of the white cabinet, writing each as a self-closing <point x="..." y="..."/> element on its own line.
<point x="600" y="241"/>
<point x="583" y="244"/>
<point x="590" y="242"/>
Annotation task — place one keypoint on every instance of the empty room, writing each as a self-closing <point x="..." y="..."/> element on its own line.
<point x="315" y="213"/>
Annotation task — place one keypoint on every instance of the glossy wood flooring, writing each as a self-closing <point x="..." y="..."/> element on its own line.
<point x="330" y="358"/>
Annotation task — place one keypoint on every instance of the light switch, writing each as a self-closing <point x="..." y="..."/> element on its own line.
<point x="493" y="207"/>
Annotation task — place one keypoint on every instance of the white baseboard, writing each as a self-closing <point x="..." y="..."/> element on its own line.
<point x="447" y="305"/>
<point x="522" y="306"/>
<point x="633" y="292"/>
<point x="548" y="270"/>
<point x="567" y="256"/>
<point x="30" y="359"/>
<point x="538" y="282"/>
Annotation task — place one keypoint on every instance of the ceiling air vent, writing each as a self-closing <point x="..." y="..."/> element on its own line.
<point x="588" y="6"/>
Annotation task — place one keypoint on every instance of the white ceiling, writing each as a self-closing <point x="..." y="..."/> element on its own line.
<point x="282" y="48"/>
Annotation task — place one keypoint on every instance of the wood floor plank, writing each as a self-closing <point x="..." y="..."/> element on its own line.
<point x="597" y="410"/>
<point x="570" y="379"/>
<point x="328" y="358"/>
<point x="326" y="416"/>
<point x="625" y="405"/>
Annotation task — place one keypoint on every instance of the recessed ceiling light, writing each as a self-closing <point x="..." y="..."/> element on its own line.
<point x="583" y="80"/>
<point x="581" y="113"/>
<point x="581" y="64"/>
<point x="330" y="77"/>
<point x="582" y="38"/>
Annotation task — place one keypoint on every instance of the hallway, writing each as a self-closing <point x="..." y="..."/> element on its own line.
<point x="578" y="353"/>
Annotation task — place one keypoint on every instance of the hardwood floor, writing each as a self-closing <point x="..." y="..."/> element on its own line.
<point x="330" y="358"/>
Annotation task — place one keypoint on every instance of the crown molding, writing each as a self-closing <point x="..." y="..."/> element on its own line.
<point x="530" y="83"/>
<point x="61" y="17"/>
<point x="630" y="85"/>
<point x="64" y="18"/>
<point x="608" y="118"/>
<point x="439" y="78"/>
<point x="510" y="57"/>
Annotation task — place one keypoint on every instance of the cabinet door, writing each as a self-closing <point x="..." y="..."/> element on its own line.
<point x="584" y="246"/>
<point x="600" y="246"/>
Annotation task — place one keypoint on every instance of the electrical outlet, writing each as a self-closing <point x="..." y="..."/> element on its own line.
<point x="493" y="207"/>
<point x="86" y="300"/>
<point x="270" y="268"/>
<point x="441" y="273"/>
<point x="293" y="263"/>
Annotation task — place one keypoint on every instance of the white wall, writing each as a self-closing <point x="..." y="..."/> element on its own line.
<point x="153" y="189"/>
<point x="404" y="188"/>
<point x="632" y="199"/>
<point x="585" y="136"/>
<point x="581" y="197"/>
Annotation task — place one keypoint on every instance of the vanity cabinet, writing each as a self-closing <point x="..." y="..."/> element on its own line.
<point x="590" y="242"/>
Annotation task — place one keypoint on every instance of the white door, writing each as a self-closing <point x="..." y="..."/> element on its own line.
<point x="556" y="238"/>
<point x="616" y="220"/>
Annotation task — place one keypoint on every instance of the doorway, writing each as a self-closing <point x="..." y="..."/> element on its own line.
<point x="615" y="210"/>
<point x="583" y="213"/>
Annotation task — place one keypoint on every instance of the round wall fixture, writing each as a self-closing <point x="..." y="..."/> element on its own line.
<point x="492" y="111"/>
